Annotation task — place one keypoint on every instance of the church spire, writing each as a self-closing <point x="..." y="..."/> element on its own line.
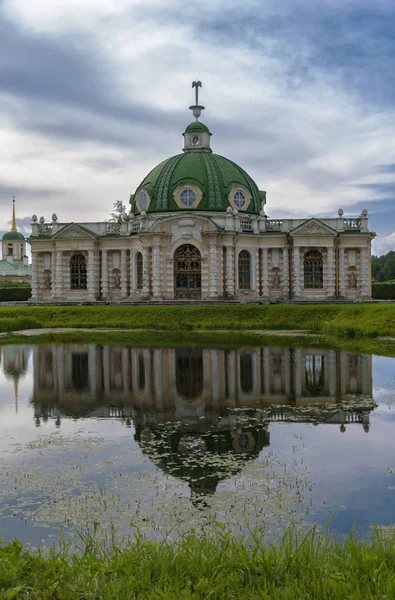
<point x="197" y="135"/>
<point x="13" y="225"/>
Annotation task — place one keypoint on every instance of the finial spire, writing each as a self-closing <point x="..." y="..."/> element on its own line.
<point x="196" y="108"/>
<point x="13" y="225"/>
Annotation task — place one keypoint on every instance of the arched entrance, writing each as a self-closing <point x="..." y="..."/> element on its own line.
<point x="187" y="272"/>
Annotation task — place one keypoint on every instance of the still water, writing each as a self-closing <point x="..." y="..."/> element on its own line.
<point x="165" y="440"/>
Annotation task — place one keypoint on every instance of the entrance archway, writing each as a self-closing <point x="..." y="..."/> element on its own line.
<point x="187" y="272"/>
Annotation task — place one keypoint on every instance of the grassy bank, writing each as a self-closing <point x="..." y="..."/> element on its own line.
<point x="313" y="567"/>
<point x="349" y="320"/>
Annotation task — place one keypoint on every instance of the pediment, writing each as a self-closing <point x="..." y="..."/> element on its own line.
<point x="313" y="227"/>
<point x="73" y="231"/>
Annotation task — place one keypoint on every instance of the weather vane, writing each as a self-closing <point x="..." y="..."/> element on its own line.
<point x="197" y="85"/>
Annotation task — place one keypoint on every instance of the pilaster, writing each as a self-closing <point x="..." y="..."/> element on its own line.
<point x="145" y="253"/>
<point x="364" y="273"/>
<point x="35" y="290"/>
<point x="59" y="274"/>
<point x="156" y="275"/>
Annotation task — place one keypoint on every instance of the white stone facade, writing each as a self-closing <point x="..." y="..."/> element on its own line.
<point x="232" y="256"/>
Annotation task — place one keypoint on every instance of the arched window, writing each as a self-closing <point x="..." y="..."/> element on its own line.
<point x="139" y="270"/>
<point x="313" y="270"/>
<point x="244" y="270"/>
<point x="78" y="272"/>
<point x="9" y="250"/>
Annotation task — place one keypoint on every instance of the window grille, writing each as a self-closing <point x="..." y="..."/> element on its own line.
<point x="313" y="270"/>
<point x="244" y="270"/>
<point x="78" y="279"/>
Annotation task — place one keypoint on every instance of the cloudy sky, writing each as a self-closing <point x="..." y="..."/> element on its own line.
<point x="301" y="93"/>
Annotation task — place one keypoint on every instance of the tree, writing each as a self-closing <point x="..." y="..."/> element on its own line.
<point x="119" y="212"/>
<point x="383" y="267"/>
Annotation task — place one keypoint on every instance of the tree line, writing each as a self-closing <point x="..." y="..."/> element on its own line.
<point x="383" y="267"/>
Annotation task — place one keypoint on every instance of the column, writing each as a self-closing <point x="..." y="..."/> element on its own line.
<point x="298" y="373"/>
<point x="104" y="275"/>
<point x="330" y="272"/>
<point x="230" y="280"/>
<point x="364" y="272"/>
<point x="53" y="273"/>
<point x="106" y="370"/>
<point x="92" y="366"/>
<point x="213" y="270"/>
<point x="285" y="273"/>
<point x="332" y="373"/>
<point x="156" y="272"/>
<point x="59" y="274"/>
<point x="124" y="275"/>
<point x="125" y="371"/>
<point x="265" y="273"/>
<point x="214" y="355"/>
<point x="91" y="275"/>
<point x="35" y="290"/>
<point x="145" y="253"/>
<point x="230" y="356"/>
<point x="342" y="283"/>
<point x="266" y="371"/>
<point x="296" y="272"/>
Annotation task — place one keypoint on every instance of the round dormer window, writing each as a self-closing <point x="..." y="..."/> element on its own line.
<point x="188" y="197"/>
<point x="143" y="201"/>
<point x="195" y="140"/>
<point x="239" y="199"/>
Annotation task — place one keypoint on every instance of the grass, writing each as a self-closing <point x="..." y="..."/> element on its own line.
<point x="341" y="320"/>
<point x="313" y="566"/>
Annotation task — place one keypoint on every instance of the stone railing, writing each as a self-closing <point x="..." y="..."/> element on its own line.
<point x="135" y="226"/>
<point x="274" y="225"/>
<point x="45" y="228"/>
<point x="245" y="224"/>
<point x="113" y="227"/>
<point x="352" y="224"/>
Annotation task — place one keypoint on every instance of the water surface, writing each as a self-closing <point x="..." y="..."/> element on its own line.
<point x="165" y="440"/>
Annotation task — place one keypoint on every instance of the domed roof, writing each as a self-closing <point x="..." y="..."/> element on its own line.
<point x="197" y="126"/>
<point x="197" y="179"/>
<point x="216" y="177"/>
<point x="13" y="235"/>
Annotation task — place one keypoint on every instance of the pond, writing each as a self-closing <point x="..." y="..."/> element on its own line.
<point x="170" y="440"/>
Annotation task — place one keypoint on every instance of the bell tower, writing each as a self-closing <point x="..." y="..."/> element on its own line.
<point x="13" y="242"/>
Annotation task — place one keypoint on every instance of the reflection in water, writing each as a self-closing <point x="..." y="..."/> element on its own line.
<point x="14" y="362"/>
<point x="199" y="414"/>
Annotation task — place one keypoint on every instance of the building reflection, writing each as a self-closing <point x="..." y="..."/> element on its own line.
<point x="189" y="405"/>
<point x="14" y="361"/>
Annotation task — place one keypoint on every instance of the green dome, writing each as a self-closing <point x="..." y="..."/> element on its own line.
<point x="213" y="174"/>
<point x="13" y="235"/>
<point x="197" y="126"/>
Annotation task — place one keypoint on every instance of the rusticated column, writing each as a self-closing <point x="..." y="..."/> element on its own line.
<point x="285" y="273"/>
<point x="104" y="274"/>
<point x="230" y="279"/>
<point x="156" y="272"/>
<point x="91" y="275"/>
<point x="341" y="270"/>
<point x="265" y="273"/>
<point x="124" y="275"/>
<point x="59" y="274"/>
<point x="213" y="270"/>
<point x="145" y="253"/>
<point x="364" y="273"/>
<point x="330" y="272"/>
<point x="296" y="272"/>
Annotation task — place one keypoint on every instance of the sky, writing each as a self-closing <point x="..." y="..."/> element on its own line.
<point x="95" y="93"/>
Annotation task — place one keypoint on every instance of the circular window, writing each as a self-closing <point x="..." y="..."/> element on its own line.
<point x="195" y="140"/>
<point x="143" y="201"/>
<point x="188" y="197"/>
<point x="239" y="199"/>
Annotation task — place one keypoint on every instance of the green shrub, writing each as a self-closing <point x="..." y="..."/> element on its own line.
<point x="383" y="291"/>
<point x="5" y="283"/>
<point x="12" y="294"/>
